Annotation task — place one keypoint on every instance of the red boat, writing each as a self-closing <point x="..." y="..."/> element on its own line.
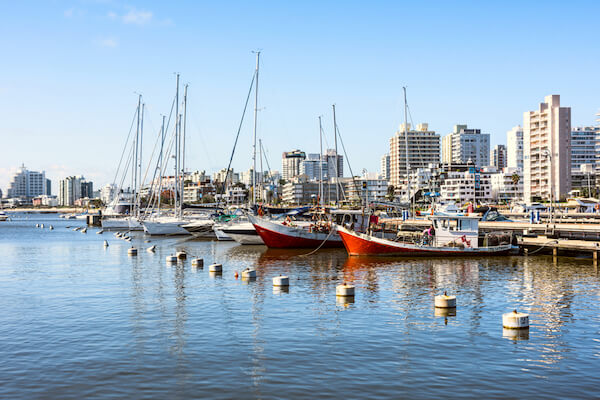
<point x="290" y="234"/>
<point x="456" y="235"/>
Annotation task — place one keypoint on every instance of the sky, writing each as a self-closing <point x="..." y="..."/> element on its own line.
<point x="71" y="71"/>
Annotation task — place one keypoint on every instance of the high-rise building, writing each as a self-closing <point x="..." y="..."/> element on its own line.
<point x="514" y="148"/>
<point x="423" y="149"/>
<point x="465" y="145"/>
<point x="74" y="188"/>
<point x="585" y="142"/>
<point x="547" y="150"/>
<point x="314" y="168"/>
<point x="290" y="163"/>
<point x="447" y="149"/>
<point x="385" y="166"/>
<point x="335" y="164"/>
<point x="26" y="184"/>
<point x="498" y="156"/>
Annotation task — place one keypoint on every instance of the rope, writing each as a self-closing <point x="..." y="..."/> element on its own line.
<point x="322" y="243"/>
<point x="543" y="246"/>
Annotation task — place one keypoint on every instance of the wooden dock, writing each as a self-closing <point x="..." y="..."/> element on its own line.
<point x="532" y="245"/>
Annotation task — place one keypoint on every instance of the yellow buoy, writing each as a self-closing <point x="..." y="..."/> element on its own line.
<point x="281" y="281"/>
<point x="515" y="320"/>
<point x="344" y="290"/>
<point x="445" y="301"/>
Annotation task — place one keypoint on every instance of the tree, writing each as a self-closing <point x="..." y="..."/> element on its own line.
<point x="391" y="192"/>
<point x="209" y="198"/>
<point x="515" y="180"/>
<point x="282" y="182"/>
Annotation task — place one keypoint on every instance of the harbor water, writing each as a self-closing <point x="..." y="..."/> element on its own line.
<point x="81" y="320"/>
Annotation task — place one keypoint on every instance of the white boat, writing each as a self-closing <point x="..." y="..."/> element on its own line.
<point x="201" y="228"/>
<point x="121" y="223"/>
<point x="169" y="226"/>
<point x="218" y="230"/>
<point x="3" y="216"/>
<point x="243" y="232"/>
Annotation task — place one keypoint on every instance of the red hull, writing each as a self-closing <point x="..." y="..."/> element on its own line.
<point x="357" y="246"/>
<point x="279" y="240"/>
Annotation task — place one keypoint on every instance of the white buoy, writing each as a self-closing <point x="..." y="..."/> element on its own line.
<point x="105" y="243"/>
<point x="146" y="241"/>
<point x="42" y="226"/>
<point x="171" y="259"/>
<point x="445" y="301"/>
<point x="249" y="273"/>
<point x="198" y="263"/>
<point x="344" y="290"/>
<point x="84" y="230"/>
<point x="100" y="232"/>
<point x="281" y="281"/>
<point x="215" y="268"/>
<point x="128" y="239"/>
<point x="118" y="234"/>
<point x="515" y="320"/>
<point x="151" y="249"/>
<point x="132" y="251"/>
<point x="37" y="225"/>
<point x="51" y="227"/>
<point x="182" y="255"/>
<point x="76" y="229"/>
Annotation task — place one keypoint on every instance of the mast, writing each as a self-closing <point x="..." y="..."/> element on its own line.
<point x="135" y="160"/>
<point x="406" y="146"/>
<point x="262" y="175"/>
<point x="255" y="122"/>
<point x="337" y="188"/>
<point x="175" y="177"/>
<point x="320" y="162"/>
<point x="139" y="207"/>
<point x="183" y="149"/>
<point x="160" y="170"/>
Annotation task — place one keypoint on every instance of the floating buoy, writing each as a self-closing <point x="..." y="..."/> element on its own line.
<point x="198" y="263"/>
<point x="515" y="320"/>
<point x="215" y="268"/>
<point x="128" y="239"/>
<point x="182" y="255"/>
<point x="51" y="227"/>
<point x="100" y="232"/>
<point x="105" y="243"/>
<point x="281" y="281"/>
<point x="151" y="249"/>
<point x="132" y="251"/>
<point x="42" y="226"/>
<point x="249" y="273"/>
<point x="67" y="227"/>
<point x="171" y="259"/>
<point x="37" y="225"/>
<point x="76" y="229"/>
<point x="445" y="301"/>
<point x="235" y="274"/>
<point x="344" y="290"/>
<point x="146" y="241"/>
<point x="84" y="230"/>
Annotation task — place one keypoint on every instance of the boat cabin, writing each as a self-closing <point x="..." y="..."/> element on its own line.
<point x="455" y="230"/>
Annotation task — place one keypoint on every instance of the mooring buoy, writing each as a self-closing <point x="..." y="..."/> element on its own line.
<point x="515" y="320"/>
<point x="344" y="290"/>
<point x="249" y="273"/>
<point x="171" y="259"/>
<point x="445" y="301"/>
<point x="198" y="263"/>
<point x="182" y="255"/>
<point x="105" y="243"/>
<point x="215" y="268"/>
<point x="281" y="281"/>
<point x="151" y="249"/>
<point x="132" y="251"/>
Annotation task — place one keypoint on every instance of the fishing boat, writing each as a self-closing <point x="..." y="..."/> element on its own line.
<point x="455" y="235"/>
<point x="289" y="234"/>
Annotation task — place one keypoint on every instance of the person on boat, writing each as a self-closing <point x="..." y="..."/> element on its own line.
<point x="428" y="235"/>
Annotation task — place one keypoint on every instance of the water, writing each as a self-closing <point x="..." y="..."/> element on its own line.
<point x="82" y="321"/>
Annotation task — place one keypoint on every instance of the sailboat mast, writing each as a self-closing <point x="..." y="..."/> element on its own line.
<point x="175" y="177"/>
<point x="160" y="162"/>
<point x="139" y="188"/>
<point x="406" y="145"/>
<point x="337" y="187"/>
<point x="135" y="158"/>
<point x="261" y="176"/>
<point x="183" y="148"/>
<point x="320" y="162"/>
<point x="255" y="123"/>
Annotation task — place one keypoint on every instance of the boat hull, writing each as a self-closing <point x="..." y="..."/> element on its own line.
<point x="243" y="233"/>
<point x="123" y="223"/>
<point x="165" y="228"/>
<point x="359" y="244"/>
<point x="279" y="236"/>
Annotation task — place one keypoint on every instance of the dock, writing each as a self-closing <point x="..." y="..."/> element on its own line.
<point x="531" y="245"/>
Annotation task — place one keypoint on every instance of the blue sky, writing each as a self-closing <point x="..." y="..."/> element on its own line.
<point x="70" y="71"/>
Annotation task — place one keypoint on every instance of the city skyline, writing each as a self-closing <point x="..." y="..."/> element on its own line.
<point x="76" y="66"/>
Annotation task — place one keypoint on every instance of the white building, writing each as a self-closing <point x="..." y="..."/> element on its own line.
<point x="385" y="166"/>
<point x="26" y="184"/>
<point x="507" y="185"/>
<point x="464" y="145"/>
<point x="472" y="185"/>
<point x="423" y="149"/>
<point x="290" y="163"/>
<point x="107" y="193"/>
<point x="514" y="148"/>
<point x="370" y="186"/>
<point x="314" y="168"/>
<point x="69" y="190"/>
<point x="547" y="150"/>
<point x="498" y="156"/>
